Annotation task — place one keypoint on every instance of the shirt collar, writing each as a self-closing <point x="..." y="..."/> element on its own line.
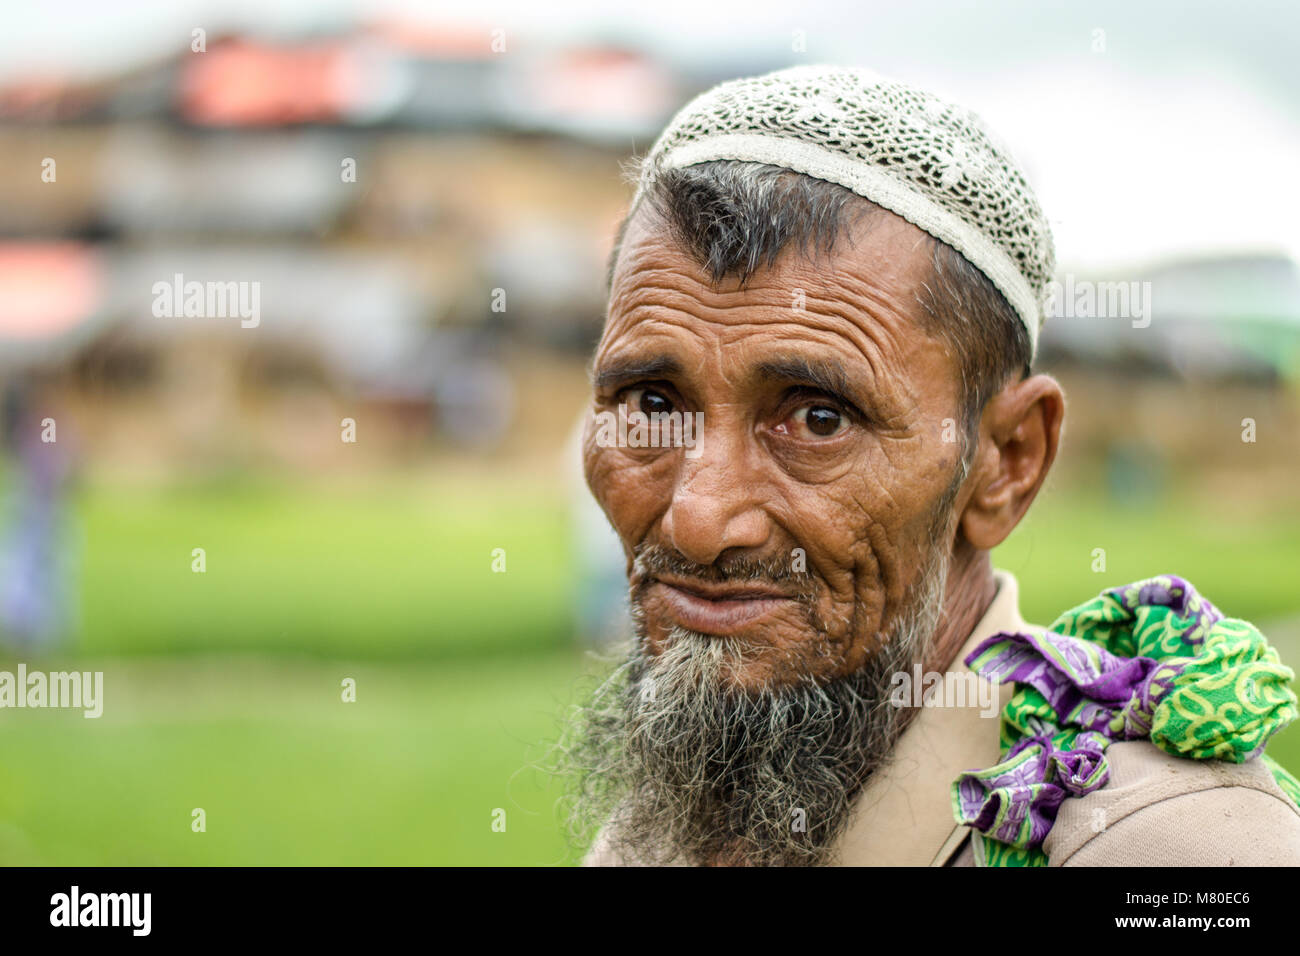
<point x="903" y="816"/>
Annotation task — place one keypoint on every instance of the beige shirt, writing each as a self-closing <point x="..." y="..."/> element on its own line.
<point x="1156" y="810"/>
<point x="903" y="817"/>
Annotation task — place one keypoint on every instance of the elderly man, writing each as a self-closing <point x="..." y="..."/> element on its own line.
<point x="843" y="279"/>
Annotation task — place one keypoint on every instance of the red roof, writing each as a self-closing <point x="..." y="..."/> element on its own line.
<point x="244" y="83"/>
<point x="47" y="288"/>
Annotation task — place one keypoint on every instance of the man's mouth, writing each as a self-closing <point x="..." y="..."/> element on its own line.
<point x="709" y="607"/>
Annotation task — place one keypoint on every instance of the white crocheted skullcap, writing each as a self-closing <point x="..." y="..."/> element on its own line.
<point x="932" y="162"/>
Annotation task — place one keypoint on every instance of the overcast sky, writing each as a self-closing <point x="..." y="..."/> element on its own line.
<point x="1183" y="135"/>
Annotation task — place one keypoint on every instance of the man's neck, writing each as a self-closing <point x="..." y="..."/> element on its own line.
<point x="970" y="590"/>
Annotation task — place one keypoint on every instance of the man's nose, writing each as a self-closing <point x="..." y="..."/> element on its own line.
<point x="717" y="501"/>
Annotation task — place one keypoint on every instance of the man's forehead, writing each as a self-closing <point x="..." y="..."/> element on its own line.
<point x="855" y="303"/>
<point x="882" y="248"/>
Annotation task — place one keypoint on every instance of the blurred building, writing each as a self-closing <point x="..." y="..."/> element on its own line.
<point x="409" y="205"/>
<point x="422" y="218"/>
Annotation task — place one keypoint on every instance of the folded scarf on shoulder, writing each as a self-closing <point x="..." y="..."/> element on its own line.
<point x="1152" y="660"/>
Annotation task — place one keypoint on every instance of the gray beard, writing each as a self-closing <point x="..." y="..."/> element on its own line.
<point x="672" y="764"/>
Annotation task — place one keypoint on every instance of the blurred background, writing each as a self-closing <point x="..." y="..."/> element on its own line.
<point x="423" y="199"/>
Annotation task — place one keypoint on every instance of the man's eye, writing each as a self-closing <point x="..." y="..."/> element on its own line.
<point x="647" y="400"/>
<point x="820" y="421"/>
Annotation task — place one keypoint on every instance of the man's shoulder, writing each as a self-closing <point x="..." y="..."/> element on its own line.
<point x="1161" y="810"/>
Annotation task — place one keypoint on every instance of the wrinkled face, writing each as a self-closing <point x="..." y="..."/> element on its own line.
<point x="804" y="515"/>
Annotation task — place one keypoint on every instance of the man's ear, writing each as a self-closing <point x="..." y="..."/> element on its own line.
<point x="1019" y="433"/>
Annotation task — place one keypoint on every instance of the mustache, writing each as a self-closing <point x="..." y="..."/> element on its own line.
<point x="653" y="559"/>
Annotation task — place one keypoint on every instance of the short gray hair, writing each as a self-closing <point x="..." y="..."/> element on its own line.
<point x="736" y="217"/>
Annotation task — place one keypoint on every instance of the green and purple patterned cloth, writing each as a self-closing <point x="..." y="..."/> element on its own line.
<point x="1152" y="660"/>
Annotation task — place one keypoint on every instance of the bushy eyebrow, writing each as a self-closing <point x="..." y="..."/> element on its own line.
<point x="827" y="376"/>
<point x="622" y="371"/>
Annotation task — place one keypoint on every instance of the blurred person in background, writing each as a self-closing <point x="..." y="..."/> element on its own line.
<point x="34" y="588"/>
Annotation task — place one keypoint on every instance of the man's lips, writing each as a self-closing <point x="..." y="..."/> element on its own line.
<point x="714" y="608"/>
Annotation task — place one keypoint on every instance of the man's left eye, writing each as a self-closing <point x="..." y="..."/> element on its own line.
<point x="819" y="421"/>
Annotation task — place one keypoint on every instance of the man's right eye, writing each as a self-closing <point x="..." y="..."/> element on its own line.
<point x="648" y="400"/>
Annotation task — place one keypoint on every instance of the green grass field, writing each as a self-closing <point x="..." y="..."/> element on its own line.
<point x="222" y="689"/>
<point x="285" y="772"/>
<point x="386" y="571"/>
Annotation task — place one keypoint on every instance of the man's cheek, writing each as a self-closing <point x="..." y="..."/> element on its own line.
<point x="632" y="493"/>
<point x="840" y="565"/>
<point x="859" y="600"/>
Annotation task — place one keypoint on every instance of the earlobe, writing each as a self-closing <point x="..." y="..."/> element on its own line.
<point x="1019" y="434"/>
